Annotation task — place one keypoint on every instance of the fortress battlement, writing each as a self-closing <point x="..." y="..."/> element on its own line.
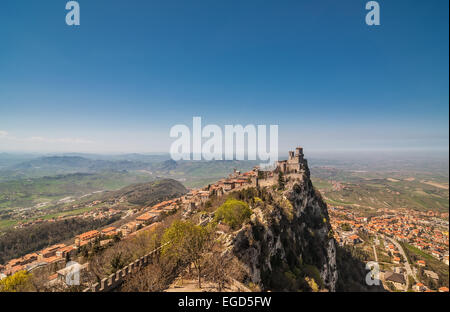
<point x="295" y="163"/>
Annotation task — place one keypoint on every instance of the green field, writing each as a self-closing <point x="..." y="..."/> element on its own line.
<point x="370" y="190"/>
<point x="67" y="213"/>
<point x="4" y="224"/>
<point x="29" y="192"/>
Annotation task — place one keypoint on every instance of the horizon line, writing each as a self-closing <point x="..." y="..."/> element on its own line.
<point x="308" y="150"/>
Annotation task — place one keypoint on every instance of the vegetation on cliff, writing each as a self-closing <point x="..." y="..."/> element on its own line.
<point x="18" y="282"/>
<point x="184" y="242"/>
<point x="233" y="213"/>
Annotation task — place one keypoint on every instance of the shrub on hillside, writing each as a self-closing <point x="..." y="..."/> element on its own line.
<point x="233" y="213"/>
<point x="18" y="282"/>
<point x="186" y="243"/>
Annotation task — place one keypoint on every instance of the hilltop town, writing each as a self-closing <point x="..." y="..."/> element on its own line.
<point x="390" y="238"/>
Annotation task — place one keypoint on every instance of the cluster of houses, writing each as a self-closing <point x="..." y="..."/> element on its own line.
<point x="96" y="214"/>
<point x="149" y="218"/>
<point x="397" y="278"/>
<point x="345" y="231"/>
<point x="234" y="181"/>
<point x="53" y="254"/>
<point x="392" y="251"/>
<point x="399" y="281"/>
<point x="423" y="230"/>
<point x="427" y="231"/>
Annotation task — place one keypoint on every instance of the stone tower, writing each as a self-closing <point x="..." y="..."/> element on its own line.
<point x="294" y="163"/>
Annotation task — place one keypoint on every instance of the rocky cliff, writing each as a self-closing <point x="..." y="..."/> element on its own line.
<point x="288" y="244"/>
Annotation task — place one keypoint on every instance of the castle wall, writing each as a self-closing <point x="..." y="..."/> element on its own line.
<point x="116" y="279"/>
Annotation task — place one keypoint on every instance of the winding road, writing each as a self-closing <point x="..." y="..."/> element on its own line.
<point x="375" y="253"/>
<point x="402" y="252"/>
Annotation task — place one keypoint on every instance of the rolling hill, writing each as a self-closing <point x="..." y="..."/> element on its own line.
<point x="149" y="193"/>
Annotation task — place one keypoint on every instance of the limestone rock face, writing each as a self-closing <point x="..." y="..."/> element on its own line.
<point x="287" y="245"/>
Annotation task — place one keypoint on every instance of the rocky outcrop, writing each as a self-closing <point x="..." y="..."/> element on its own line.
<point x="288" y="244"/>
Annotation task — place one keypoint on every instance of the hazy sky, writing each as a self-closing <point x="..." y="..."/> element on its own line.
<point x="135" y="68"/>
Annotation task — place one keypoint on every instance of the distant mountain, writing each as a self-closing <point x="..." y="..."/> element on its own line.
<point x="147" y="158"/>
<point x="197" y="173"/>
<point x="10" y="159"/>
<point x="80" y="164"/>
<point x="167" y="165"/>
<point x="56" y="165"/>
<point x="55" y="161"/>
<point x="148" y="193"/>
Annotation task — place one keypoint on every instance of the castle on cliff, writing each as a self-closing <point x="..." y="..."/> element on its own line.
<point x="296" y="162"/>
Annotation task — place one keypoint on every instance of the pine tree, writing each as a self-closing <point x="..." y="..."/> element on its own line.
<point x="280" y="181"/>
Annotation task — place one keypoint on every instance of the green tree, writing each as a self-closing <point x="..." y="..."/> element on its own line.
<point x="117" y="237"/>
<point x="261" y="175"/>
<point x="20" y="281"/>
<point x="117" y="262"/>
<point x="84" y="251"/>
<point x="185" y="243"/>
<point x="233" y="212"/>
<point x="280" y="181"/>
<point x="67" y="258"/>
<point x="346" y="227"/>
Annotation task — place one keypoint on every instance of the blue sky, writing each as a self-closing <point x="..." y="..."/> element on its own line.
<point x="134" y="68"/>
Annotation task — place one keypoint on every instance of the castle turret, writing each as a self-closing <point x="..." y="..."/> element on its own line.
<point x="299" y="153"/>
<point x="295" y="162"/>
<point x="291" y="155"/>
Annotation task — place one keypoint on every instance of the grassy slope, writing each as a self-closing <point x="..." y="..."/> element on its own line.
<point x="26" y="193"/>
